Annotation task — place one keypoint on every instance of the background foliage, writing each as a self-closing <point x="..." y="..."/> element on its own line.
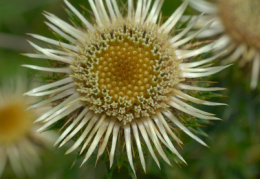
<point x="234" y="151"/>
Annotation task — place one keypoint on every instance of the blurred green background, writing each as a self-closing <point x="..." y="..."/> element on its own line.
<point x="234" y="151"/>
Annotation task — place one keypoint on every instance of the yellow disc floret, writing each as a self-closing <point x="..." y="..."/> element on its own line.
<point x="126" y="73"/>
<point x="15" y="122"/>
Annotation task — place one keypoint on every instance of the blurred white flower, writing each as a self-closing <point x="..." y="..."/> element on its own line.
<point x="237" y="21"/>
<point x="19" y="143"/>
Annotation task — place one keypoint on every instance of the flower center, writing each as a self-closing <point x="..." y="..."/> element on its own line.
<point x="127" y="74"/>
<point x="241" y="19"/>
<point x="15" y="122"/>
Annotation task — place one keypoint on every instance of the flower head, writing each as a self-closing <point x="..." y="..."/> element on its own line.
<point x="124" y="74"/>
<point x="19" y="142"/>
<point x="237" y="21"/>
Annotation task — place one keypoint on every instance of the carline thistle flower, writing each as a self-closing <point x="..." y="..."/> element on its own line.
<point x="237" y="21"/>
<point x="20" y="144"/>
<point x="125" y="74"/>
